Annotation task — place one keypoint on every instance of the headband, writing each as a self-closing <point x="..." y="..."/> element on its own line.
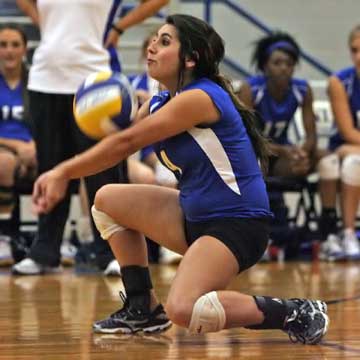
<point x="280" y="45"/>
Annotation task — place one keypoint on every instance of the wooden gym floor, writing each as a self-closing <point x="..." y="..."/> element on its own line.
<point x="50" y="317"/>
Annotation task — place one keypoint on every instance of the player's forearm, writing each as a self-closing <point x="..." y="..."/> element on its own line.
<point x="310" y="143"/>
<point x="29" y="8"/>
<point x="105" y="154"/>
<point x="140" y="13"/>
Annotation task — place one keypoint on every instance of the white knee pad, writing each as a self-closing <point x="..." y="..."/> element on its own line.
<point x="105" y="224"/>
<point x="350" y="170"/>
<point x="208" y="315"/>
<point x="329" y="167"/>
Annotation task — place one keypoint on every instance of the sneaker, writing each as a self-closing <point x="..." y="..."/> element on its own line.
<point x="112" y="269"/>
<point x="6" y="258"/>
<point x="128" y="320"/>
<point x="307" y="323"/>
<point x="351" y="245"/>
<point x="30" y="267"/>
<point x="331" y="250"/>
<point x="318" y="304"/>
<point x="68" y="253"/>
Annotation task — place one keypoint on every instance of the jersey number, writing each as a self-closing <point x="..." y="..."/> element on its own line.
<point x="15" y="112"/>
<point x="278" y="127"/>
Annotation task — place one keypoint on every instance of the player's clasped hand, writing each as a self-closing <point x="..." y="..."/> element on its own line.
<point x="48" y="190"/>
<point x="299" y="160"/>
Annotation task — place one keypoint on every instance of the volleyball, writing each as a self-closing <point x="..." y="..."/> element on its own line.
<point x="105" y="102"/>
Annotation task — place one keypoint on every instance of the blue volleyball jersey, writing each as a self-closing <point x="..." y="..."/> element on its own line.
<point x="277" y="115"/>
<point x="12" y="124"/>
<point x="215" y="165"/>
<point x="114" y="13"/>
<point x="351" y="83"/>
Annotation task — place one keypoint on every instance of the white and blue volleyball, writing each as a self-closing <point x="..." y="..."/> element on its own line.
<point x="104" y="103"/>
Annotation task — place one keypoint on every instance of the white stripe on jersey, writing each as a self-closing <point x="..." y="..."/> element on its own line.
<point x="259" y="95"/>
<point x="153" y="106"/>
<point x="298" y="95"/>
<point x="210" y="144"/>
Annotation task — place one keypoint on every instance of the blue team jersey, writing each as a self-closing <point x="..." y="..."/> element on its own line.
<point x="114" y="13"/>
<point x="215" y="164"/>
<point x="277" y="115"/>
<point x="12" y="124"/>
<point x="351" y="83"/>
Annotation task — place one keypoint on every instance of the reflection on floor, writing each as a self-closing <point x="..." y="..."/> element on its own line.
<point x="50" y="317"/>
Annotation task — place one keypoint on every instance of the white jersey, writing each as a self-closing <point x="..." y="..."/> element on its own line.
<point x="71" y="45"/>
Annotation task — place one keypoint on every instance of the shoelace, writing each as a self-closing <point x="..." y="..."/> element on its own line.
<point x="124" y="307"/>
<point x="131" y="312"/>
<point x="315" y="304"/>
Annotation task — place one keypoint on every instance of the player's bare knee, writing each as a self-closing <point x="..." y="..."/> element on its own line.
<point x="101" y="197"/>
<point x="179" y="311"/>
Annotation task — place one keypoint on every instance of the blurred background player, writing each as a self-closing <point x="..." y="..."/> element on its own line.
<point x="276" y="95"/>
<point x="343" y="164"/>
<point x="71" y="47"/>
<point x="17" y="148"/>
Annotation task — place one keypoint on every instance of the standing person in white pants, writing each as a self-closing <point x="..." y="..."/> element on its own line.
<point x="71" y="48"/>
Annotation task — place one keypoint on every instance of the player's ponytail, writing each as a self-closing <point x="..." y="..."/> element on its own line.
<point x="251" y="120"/>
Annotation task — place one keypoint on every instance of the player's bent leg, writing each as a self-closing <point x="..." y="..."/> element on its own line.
<point x="193" y="302"/>
<point x="149" y="209"/>
<point x="197" y="276"/>
<point x="8" y="162"/>
<point x="122" y="214"/>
